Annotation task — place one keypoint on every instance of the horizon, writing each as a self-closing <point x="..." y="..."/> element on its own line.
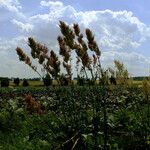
<point x="121" y="29"/>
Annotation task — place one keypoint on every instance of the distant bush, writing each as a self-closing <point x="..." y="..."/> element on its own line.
<point x="25" y="83"/>
<point x="16" y="81"/>
<point x="91" y="82"/>
<point x="80" y="81"/>
<point x="47" y="80"/>
<point x="5" y="82"/>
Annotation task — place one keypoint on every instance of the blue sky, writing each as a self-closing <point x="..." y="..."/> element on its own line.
<point x="121" y="28"/>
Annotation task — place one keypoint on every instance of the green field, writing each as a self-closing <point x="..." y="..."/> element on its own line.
<point x="76" y="117"/>
<point x="40" y="83"/>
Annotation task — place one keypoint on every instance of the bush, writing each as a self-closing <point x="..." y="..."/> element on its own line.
<point x="80" y="81"/>
<point x="47" y="80"/>
<point x="90" y="82"/>
<point x="16" y="81"/>
<point x="5" y="82"/>
<point x="25" y="83"/>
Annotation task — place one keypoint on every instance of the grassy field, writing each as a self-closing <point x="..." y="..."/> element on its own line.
<point x="31" y="83"/>
<point x="79" y="117"/>
<point x="40" y="83"/>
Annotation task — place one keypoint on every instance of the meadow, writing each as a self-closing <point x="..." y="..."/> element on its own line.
<point x="74" y="117"/>
<point x="137" y="83"/>
<point x="103" y="110"/>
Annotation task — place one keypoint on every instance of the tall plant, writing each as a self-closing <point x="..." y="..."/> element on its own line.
<point x="121" y="72"/>
<point x="72" y="40"/>
<point x="49" y="61"/>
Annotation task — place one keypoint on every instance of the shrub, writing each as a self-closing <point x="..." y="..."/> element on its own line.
<point x="25" y="83"/>
<point x="5" y="82"/>
<point x="16" y="81"/>
<point x="80" y="81"/>
<point x="91" y="82"/>
<point x="47" y="80"/>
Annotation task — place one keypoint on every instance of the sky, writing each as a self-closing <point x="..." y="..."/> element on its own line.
<point x="121" y="29"/>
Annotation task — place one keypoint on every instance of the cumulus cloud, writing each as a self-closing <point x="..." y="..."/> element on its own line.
<point x="118" y="34"/>
<point x="12" y="6"/>
<point x="136" y="64"/>
<point x="113" y="30"/>
<point x="7" y="45"/>
<point x="52" y="4"/>
<point x="24" y="27"/>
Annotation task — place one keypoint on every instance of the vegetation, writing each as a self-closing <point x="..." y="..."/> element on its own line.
<point x="47" y="80"/>
<point x="16" y="81"/>
<point x="5" y="82"/>
<point x="25" y="83"/>
<point x="71" y="43"/>
<point x="73" y="117"/>
<point x="103" y="111"/>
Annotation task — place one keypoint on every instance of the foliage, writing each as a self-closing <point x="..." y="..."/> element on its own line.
<point x="5" y="82"/>
<point x="25" y="83"/>
<point x="16" y="81"/>
<point x="47" y="80"/>
<point x="72" y="117"/>
<point x="84" y="117"/>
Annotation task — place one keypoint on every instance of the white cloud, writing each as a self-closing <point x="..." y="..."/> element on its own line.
<point x="24" y="27"/>
<point x="113" y="30"/>
<point x="136" y="64"/>
<point x="119" y="31"/>
<point x="12" y="6"/>
<point x="8" y="45"/>
<point x="52" y="4"/>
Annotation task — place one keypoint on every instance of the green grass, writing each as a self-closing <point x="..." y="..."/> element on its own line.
<point x="40" y="83"/>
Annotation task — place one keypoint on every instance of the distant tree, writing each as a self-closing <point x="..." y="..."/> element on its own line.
<point x="5" y="82"/>
<point x="80" y="81"/>
<point x="36" y="79"/>
<point x="16" y="81"/>
<point x="25" y="83"/>
<point x="139" y="78"/>
<point x="47" y="80"/>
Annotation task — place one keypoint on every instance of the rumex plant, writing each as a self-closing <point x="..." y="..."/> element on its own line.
<point x="33" y="105"/>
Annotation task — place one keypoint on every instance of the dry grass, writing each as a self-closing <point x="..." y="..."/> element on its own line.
<point x="31" y="83"/>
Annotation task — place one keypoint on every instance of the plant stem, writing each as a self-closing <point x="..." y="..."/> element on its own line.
<point x="105" y="121"/>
